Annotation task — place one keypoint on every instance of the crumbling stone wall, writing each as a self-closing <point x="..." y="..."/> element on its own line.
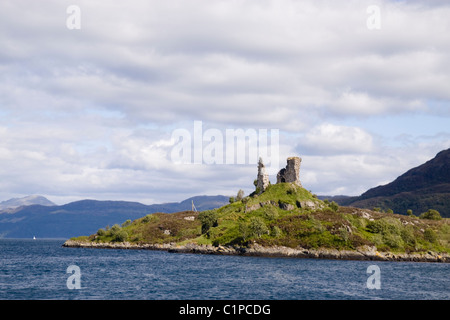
<point x="291" y="173"/>
<point x="262" y="180"/>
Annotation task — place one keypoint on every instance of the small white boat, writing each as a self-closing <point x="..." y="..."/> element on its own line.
<point x="34" y="238"/>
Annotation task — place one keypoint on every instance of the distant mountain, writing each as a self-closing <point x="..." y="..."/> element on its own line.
<point x="87" y="216"/>
<point x="25" y="201"/>
<point x="424" y="187"/>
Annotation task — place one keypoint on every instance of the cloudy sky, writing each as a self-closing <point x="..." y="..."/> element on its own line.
<point x="89" y="102"/>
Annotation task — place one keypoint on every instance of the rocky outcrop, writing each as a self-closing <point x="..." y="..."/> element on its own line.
<point x="308" y="204"/>
<point x="362" y="253"/>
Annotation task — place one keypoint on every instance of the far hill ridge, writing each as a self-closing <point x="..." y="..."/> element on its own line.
<point x="419" y="189"/>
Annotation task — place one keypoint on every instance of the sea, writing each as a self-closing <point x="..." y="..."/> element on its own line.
<point x="44" y="270"/>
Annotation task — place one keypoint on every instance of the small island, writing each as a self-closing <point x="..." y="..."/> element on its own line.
<point x="284" y="220"/>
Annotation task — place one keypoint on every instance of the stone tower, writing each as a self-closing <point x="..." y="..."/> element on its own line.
<point x="262" y="180"/>
<point x="291" y="173"/>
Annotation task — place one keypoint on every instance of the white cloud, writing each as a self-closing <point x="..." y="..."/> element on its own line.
<point x="333" y="139"/>
<point x="90" y="111"/>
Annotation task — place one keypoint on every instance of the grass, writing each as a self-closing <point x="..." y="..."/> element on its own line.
<point x="261" y="219"/>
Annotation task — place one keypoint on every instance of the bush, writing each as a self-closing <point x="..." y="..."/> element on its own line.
<point x="376" y="226"/>
<point x="120" y="236"/>
<point x="393" y="240"/>
<point x="431" y="215"/>
<point x="244" y="230"/>
<point x="101" y="232"/>
<point x="208" y="219"/>
<point x="126" y="223"/>
<point x="334" y="206"/>
<point x="430" y="235"/>
<point x="276" y="232"/>
<point x="391" y="232"/>
<point x="344" y="234"/>
<point x="258" y="227"/>
<point x="270" y="212"/>
<point x="114" y="229"/>
<point x="148" y="218"/>
<point x="407" y="235"/>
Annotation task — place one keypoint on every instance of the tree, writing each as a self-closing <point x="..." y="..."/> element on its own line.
<point x="431" y="214"/>
<point x="240" y="195"/>
<point x="208" y="219"/>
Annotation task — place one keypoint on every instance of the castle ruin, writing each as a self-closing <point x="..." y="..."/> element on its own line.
<point x="291" y="174"/>
<point x="292" y="171"/>
<point x="262" y="180"/>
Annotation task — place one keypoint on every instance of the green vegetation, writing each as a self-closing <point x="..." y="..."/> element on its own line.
<point x="287" y="215"/>
<point x="431" y="214"/>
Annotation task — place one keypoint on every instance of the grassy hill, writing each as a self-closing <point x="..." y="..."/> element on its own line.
<point x="284" y="215"/>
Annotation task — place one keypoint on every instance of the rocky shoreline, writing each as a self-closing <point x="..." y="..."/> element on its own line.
<point x="255" y="250"/>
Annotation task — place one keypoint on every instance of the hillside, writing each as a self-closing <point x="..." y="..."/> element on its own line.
<point x="419" y="189"/>
<point x="25" y="201"/>
<point x="86" y="216"/>
<point x="285" y="218"/>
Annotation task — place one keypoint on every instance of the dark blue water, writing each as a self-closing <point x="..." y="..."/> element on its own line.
<point x="37" y="270"/>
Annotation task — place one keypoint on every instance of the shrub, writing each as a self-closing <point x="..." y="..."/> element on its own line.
<point x="334" y="206"/>
<point x="258" y="227"/>
<point x="430" y="235"/>
<point x="431" y="214"/>
<point x="208" y="219"/>
<point x="149" y="217"/>
<point x="407" y="235"/>
<point x="244" y="230"/>
<point x="344" y="234"/>
<point x="376" y="226"/>
<point x="270" y="212"/>
<point x="276" y="232"/>
<point x="392" y="232"/>
<point x="114" y="229"/>
<point x="126" y="223"/>
<point x="232" y="200"/>
<point x="101" y="232"/>
<point x="393" y="240"/>
<point x="120" y="236"/>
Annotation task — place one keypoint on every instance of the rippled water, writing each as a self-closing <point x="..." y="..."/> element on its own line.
<point x="37" y="270"/>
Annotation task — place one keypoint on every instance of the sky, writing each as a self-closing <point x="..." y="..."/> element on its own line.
<point x="101" y="99"/>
